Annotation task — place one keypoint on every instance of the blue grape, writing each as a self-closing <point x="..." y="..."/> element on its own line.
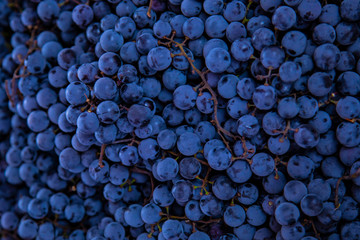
<point x="172" y="229"/>
<point x="109" y="63"/>
<point x="264" y="97"/>
<point x="287" y="213"/>
<point x="300" y="167"/>
<point x="218" y="60"/>
<point x="159" y="58"/>
<point x="309" y="10"/>
<point x="235" y="11"/>
<point x="255" y="215"/>
<point x="272" y="57"/>
<point x="284" y="18"/>
<point x="150" y="213"/>
<point x="193" y="28"/>
<point x="262" y="164"/>
<point x="211" y="206"/>
<point x="241" y="49"/>
<point x="82" y="15"/>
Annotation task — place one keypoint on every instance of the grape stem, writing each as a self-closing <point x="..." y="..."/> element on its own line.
<point x="149" y="10"/>
<point x="204" y="182"/>
<point x="142" y="171"/>
<point x="14" y="4"/>
<point x="348" y="177"/>
<point x="102" y="152"/>
<point x="220" y="130"/>
<point x="6" y="233"/>
<point x="311" y="222"/>
<point x="267" y="77"/>
<point x="32" y="46"/>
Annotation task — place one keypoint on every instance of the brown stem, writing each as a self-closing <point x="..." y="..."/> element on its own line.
<point x="216" y="220"/>
<point x="204" y="182"/>
<point x="202" y="162"/>
<point x="220" y="130"/>
<point x="63" y="3"/>
<point x="348" y="177"/>
<point x="149" y="10"/>
<point x="138" y="170"/>
<point x="310" y="221"/>
<point x="32" y="46"/>
<point x="102" y="152"/>
<point x="245" y="20"/>
<point x="8" y="94"/>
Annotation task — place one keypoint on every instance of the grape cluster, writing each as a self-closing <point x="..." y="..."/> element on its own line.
<point x="179" y="119"/>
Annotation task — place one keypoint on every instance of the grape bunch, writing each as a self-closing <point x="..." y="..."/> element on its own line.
<point x="179" y="120"/>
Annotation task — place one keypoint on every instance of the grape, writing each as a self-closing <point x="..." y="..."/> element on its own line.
<point x="346" y="33"/>
<point x="199" y="236"/>
<point x="311" y="205"/>
<point x="9" y="221"/>
<point x="289" y="72"/>
<point x="167" y="169"/>
<point x="242" y="50"/>
<point x="319" y="84"/>
<point x="189" y="167"/>
<point x="269" y="6"/>
<point x="273" y="124"/>
<point x="219" y="158"/>
<point x="286" y="214"/>
<point x="255" y="215"/>
<point x="300" y="167"/>
<point x="193" y="211"/>
<point x="348" y="10"/>
<point x="262" y="164"/>
<point x="27" y="229"/>
<point x="350" y="230"/>
<point x="215" y="26"/>
<point x="109" y="63"/>
<point x="234" y="216"/>
<point x="239" y="171"/>
<point x="162" y="196"/>
<point x="262" y="37"/>
<point x="227" y="86"/>
<point x="321" y="188"/>
<point x="326" y="56"/>
<point x="245" y="231"/>
<point x="74" y="212"/>
<point x="248" y="126"/>
<point x="218" y="60"/>
<point x="294" y="191"/>
<point x="182" y="191"/>
<point x="159" y="58"/>
<point x="138" y="119"/>
<point x="284" y="18"/>
<point x="82" y="15"/>
<point x="309" y="10"/>
<point x="264" y="97"/>
<point x="38" y="208"/>
<point x="37" y="121"/>
<point x="235" y="31"/>
<point x="248" y="194"/>
<point x="184" y="97"/>
<point x="347" y="134"/>
<point x="211" y="206"/>
<point x="223" y="188"/>
<point x="172" y="229"/>
<point x="272" y="57"/>
<point x="294" y="231"/>
<point x="150" y="213"/>
<point x="48" y="10"/>
<point x="193" y="28"/>
<point x="235" y="11"/>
